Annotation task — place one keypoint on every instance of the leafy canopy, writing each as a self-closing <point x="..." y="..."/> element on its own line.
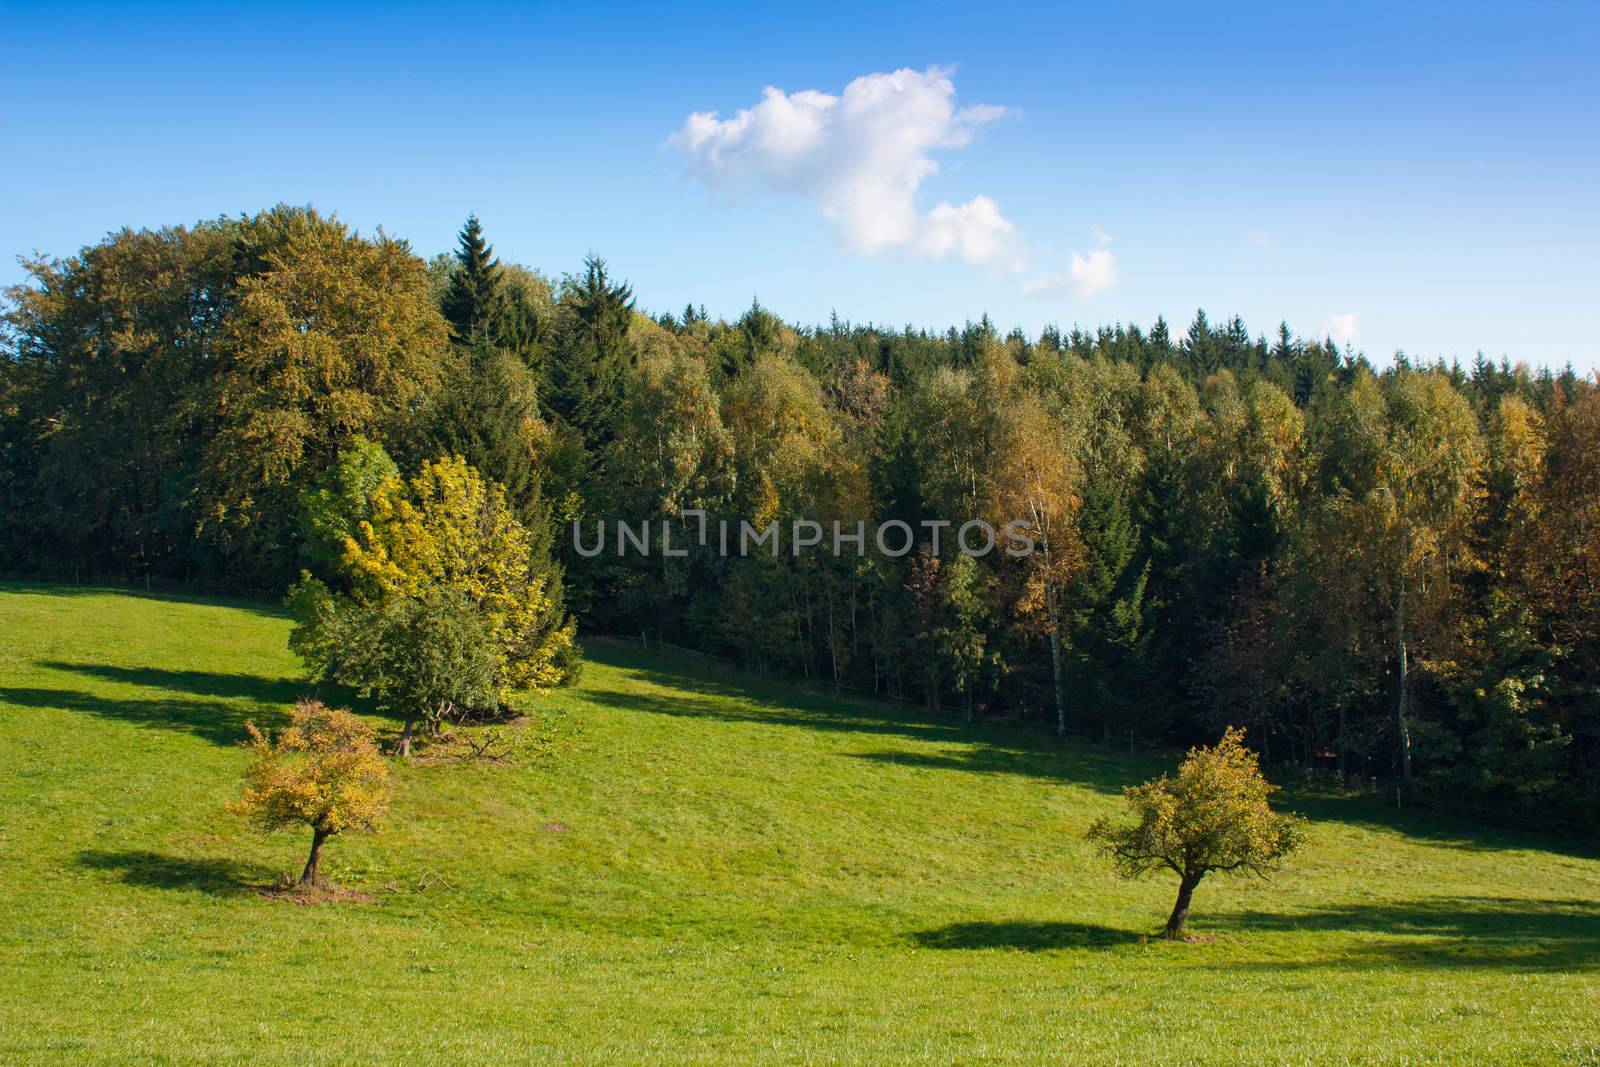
<point x="431" y="656"/>
<point x="1212" y="817"/>
<point x="323" y="771"/>
<point x="341" y="498"/>
<point x="437" y="548"/>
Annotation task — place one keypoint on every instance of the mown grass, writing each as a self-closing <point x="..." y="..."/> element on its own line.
<point x="690" y="866"/>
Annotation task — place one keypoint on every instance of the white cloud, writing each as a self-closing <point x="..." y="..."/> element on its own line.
<point x="1344" y="328"/>
<point x="1259" y="239"/>
<point x="861" y="157"/>
<point x="1087" y="274"/>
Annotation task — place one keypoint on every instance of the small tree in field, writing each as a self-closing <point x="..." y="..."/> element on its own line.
<point x="323" y="771"/>
<point x="1212" y="817"/>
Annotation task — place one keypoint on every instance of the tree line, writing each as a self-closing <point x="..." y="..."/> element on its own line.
<point x="1387" y="573"/>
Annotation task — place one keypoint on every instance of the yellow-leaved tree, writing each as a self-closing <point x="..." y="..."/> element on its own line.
<point x="323" y="771"/>
<point x="1213" y="816"/>
<point x="445" y="538"/>
<point x="449" y="527"/>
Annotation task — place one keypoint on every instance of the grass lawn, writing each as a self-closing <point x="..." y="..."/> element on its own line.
<point x="690" y="866"/>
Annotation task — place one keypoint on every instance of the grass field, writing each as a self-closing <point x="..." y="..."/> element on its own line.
<point x="688" y="866"/>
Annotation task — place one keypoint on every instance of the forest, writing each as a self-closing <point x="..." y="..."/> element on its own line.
<point x="1387" y="575"/>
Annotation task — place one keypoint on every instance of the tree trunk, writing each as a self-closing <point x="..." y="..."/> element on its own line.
<point x="833" y="644"/>
<point x="1056" y="680"/>
<point x="1344" y="776"/>
<point x="1180" y="910"/>
<point x="1053" y="613"/>
<point x="1403" y="700"/>
<point x="311" y="876"/>
<point x="404" y="747"/>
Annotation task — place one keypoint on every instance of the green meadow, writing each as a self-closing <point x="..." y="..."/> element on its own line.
<point x="684" y="864"/>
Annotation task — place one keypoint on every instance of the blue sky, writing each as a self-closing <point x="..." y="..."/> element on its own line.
<point x="1409" y="176"/>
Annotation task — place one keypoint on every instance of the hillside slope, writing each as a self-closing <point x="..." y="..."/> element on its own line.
<point x="688" y="866"/>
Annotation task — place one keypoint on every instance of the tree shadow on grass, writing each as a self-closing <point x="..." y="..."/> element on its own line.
<point x="1449" y="932"/>
<point x="743" y="709"/>
<point x="723" y="691"/>
<point x="276" y="691"/>
<point x="720" y="692"/>
<point x="220" y="722"/>
<point x="271" y="606"/>
<point x="1023" y="935"/>
<point x="1082" y="767"/>
<point x="1374" y="812"/>
<point x="156" y="871"/>
<point x="220" y="705"/>
<point x="972" y="750"/>
<point x="712" y="678"/>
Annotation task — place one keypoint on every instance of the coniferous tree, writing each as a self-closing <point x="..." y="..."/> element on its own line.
<point x="584" y="376"/>
<point x="488" y="414"/>
<point x="1160" y="346"/>
<point x="521" y="317"/>
<point x="470" y="298"/>
<point x="1109" y="637"/>
<point x="1200" y="348"/>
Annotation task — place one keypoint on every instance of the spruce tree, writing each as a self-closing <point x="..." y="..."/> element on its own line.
<point x="486" y="413"/>
<point x="1201" y="348"/>
<point x="1109" y="638"/>
<point x="1160" y="346"/>
<point x="469" y="301"/>
<point x="584" y="374"/>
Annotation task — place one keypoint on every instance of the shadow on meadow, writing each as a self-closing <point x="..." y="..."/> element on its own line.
<point x="217" y="721"/>
<point x="999" y="748"/>
<point x="1520" y="934"/>
<point x="274" y="691"/>
<point x="268" y="606"/>
<point x="1084" y="768"/>
<point x="156" y="871"/>
<point x="1023" y="936"/>
<point x="738" y="708"/>
<point x="1376" y="813"/>
<point x="974" y="749"/>
<point x="211" y="705"/>
<point x="983" y="748"/>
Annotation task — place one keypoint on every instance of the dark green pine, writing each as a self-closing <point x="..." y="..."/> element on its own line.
<point x="469" y="300"/>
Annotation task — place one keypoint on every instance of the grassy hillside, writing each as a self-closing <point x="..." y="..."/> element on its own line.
<point x="691" y="867"/>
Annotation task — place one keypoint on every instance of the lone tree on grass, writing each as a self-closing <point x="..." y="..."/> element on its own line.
<point x="1212" y="817"/>
<point x="323" y="771"/>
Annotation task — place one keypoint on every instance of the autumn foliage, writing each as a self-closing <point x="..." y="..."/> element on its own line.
<point x="323" y="771"/>
<point x="443" y="610"/>
<point x="1212" y="817"/>
<point x="1384" y="571"/>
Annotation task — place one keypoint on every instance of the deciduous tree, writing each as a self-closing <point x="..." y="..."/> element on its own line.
<point x="322" y="771"/>
<point x="446" y="528"/>
<point x="1406" y="458"/>
<point x="426" y="657"/>
<point x="335" y="337"/>
<point x="1213" y="816"/>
